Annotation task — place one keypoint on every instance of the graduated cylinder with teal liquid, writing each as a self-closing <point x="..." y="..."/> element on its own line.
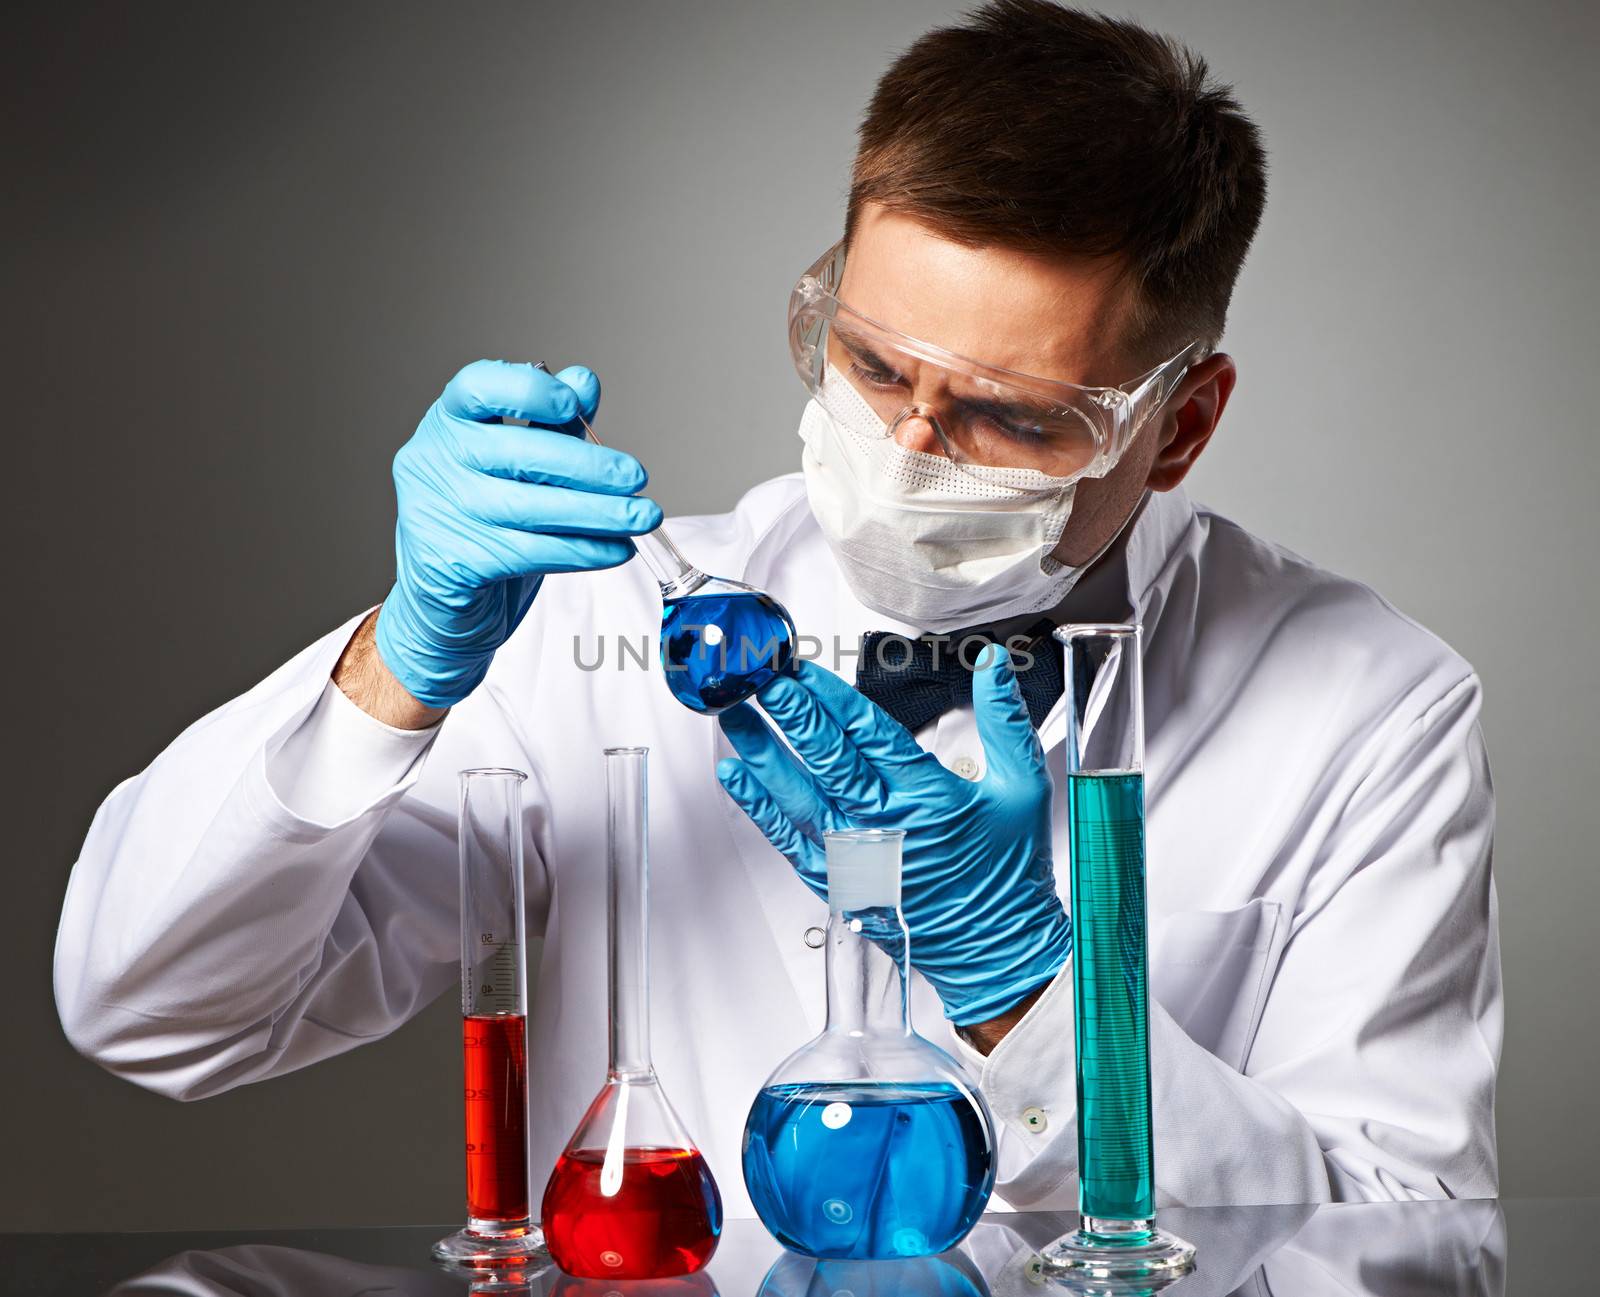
<point x="1104" y="752"/>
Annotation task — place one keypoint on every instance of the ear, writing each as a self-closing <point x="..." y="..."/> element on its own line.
<point x="1190" y="418"/>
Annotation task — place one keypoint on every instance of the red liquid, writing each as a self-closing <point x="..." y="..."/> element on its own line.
<point x="663" y="1220"/>
<point x="494" y="1051"/>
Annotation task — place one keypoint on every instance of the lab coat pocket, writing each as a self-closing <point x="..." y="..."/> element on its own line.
<point x="1210" y="969"/>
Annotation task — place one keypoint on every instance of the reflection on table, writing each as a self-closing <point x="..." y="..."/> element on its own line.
<point x="1379" y="1249"/>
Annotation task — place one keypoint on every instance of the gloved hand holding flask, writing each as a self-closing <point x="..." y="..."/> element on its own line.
<point x="486" y="510"/>
<point x="979" y="890"/>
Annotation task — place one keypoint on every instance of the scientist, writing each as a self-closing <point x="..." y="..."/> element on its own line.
<point x="1047" y="215"/>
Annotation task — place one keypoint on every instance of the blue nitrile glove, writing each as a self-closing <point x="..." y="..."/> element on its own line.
<point x="487" y="509"/>
<point x="978" y="887"/>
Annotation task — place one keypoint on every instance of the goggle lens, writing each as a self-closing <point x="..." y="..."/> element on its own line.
<point x="983" y="421"/>
<point x="978" y="422"/>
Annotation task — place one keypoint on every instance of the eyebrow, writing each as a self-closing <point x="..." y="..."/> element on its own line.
<point x="1014" y="413"/>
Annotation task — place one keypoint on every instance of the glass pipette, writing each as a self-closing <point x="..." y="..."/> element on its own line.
<point x="721" y="640"/>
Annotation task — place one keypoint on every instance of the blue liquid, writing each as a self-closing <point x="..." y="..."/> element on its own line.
<point x="1115" y="1160"/>
<point x="717" y="649"/>
<point x="867" y="1172"/>
<point x="792" y="1275"/>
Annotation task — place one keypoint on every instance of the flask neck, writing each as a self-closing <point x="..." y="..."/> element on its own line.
<point x="868" y="955"/>
<point x="673" y="573"/>
<point x="627" y="916"/>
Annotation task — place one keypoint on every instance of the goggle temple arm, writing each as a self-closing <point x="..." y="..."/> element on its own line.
<point x="1148" y="394"/>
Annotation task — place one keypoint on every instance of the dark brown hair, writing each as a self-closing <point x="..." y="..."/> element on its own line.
<point x="1050" y="130"/>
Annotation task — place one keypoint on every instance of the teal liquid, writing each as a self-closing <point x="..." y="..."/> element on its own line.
<point x="1116" y="1166"/>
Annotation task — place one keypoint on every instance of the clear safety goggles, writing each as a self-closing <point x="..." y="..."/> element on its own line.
<point x="871" y="379"/>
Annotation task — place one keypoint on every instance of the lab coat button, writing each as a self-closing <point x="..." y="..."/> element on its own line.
<point x="814" y="937"/>
<point x="966" y="767"/>
<point x="1035" y="1120"/>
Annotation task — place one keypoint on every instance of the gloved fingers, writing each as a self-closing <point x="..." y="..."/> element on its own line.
<point x="555" y="510"/>
<point x="540" y="455"/>
<point x="778" y="829"/>
<point x="1010" y="744"/>
<point x="784" y="778"/>
<point x="879" y="738"/>
<point x="502" y="389"/>
<point x="586" y="383"/>
<point x="829" y="756"/>
<point x="504" y="552"/>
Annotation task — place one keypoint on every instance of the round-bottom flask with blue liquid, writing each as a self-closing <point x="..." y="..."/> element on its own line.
<point x="721" y="641"/>
<point x="868" y="1143"/>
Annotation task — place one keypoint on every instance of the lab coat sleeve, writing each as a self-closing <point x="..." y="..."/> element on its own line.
<point x="339" y="760"/>
<point x="1371" y="1073"/>
<point x="213" y="934"/>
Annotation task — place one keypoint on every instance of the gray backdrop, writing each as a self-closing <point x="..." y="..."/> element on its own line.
<point x="246" y="244"/>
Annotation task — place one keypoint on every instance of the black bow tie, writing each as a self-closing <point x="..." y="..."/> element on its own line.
<point x="918" y="680"/>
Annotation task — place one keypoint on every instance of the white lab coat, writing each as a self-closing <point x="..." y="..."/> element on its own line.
<point x="1324" y="959"/>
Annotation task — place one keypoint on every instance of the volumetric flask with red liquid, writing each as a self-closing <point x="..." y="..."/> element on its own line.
<point x="630" y="1196"/>
<point x="494" y="1007"/>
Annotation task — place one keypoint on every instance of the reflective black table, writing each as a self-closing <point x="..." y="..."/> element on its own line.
<point x="1376" y="1249"/>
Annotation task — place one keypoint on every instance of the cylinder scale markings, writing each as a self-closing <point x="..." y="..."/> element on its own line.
<point x="492" y="984"/>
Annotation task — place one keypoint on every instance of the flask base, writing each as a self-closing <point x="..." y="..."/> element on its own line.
<point x="494" y="1245"/>
<point x="1117" y="1256"/>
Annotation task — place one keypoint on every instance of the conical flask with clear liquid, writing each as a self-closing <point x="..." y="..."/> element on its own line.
<point x="868" y="1143"/>
<point x="721" y="640"/>
<point x="630" y="1197"/>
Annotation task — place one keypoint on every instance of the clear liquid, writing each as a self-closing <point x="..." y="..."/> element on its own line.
<point x="719" y="648"/>
<point x="1115" y="1161"/>
<point x="867" y="1172"/>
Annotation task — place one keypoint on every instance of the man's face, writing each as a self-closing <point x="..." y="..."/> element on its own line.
<point x="1050" y="318"/>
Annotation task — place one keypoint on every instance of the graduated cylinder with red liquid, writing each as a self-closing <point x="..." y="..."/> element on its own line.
<point x="630" y="1197"/>
<point x="494" y="1005"/>
<point x="495" y="1067"/>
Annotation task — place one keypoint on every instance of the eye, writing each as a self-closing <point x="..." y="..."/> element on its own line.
<point x="1022" y="432"/>
<point x="875" y="376"/>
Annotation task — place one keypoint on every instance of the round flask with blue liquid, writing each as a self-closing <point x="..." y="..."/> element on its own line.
<point x="869" y="1142"/>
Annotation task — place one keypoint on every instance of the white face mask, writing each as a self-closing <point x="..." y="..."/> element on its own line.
<point x="925" y="542"/>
